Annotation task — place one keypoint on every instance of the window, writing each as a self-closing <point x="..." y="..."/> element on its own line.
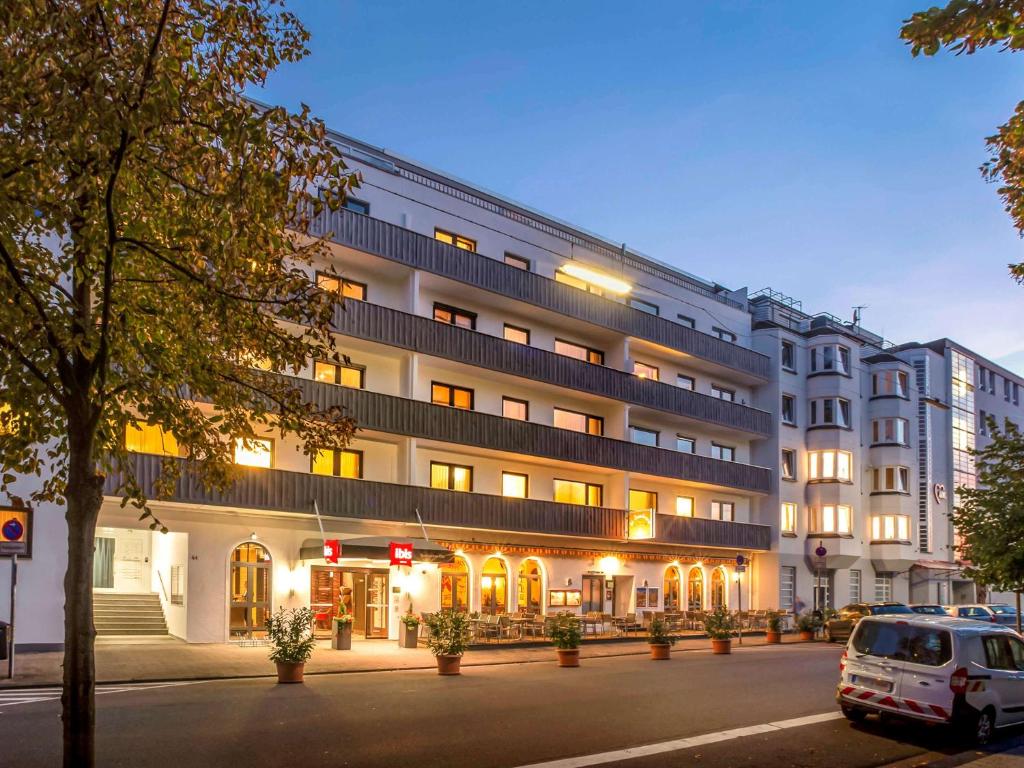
<point x="177" y="585"/>
<point x="348" y="289"/>
<point x="855" y="586"/>
<point x="835" y="519"/>
<point x="787" y="587"/>
<point x="830" y="412"/>
<point x="357" y="206"/>
<point x="889" y="431"/>
<point x="643" y="505"/>
<point x="788" y="355"/>
<point x="883" y="587"/>
<point x="1006" y="390"/>
<point x="454" y="316"/>
<point x="451" y="396"/>
<point x="451" y="477"/>
<point x="890" y="528"/>
<point x="829" y="465"/>
<point x="150" y="438"/>
<point x="578" y="422"/>
<point x="577" y="282"/>
<point x="457" y="240"/>
<point x="645" y="306"/>
<point x="722" y="393"/>
<point x="1004" y="652"/>
<point x="685" y="382"/>
<point x="889" y="384"/>
<point x="788" y="409"/>
<point x="576" y="492"/>
<point x="512" y="408"/>
<point x="723" y="452"/>
<point x="830" y="358"/>
<point x="517" y="334"/>
<point x="992" y="382"/>
<point x="645" y="371"/>
<point x="580" y="352"/>
<point x="788" y="464"/>
<point x="353" y="376"/>
<point x="723" y="334"/>
<point x="689" y="322"/>
<point x="787" y="521"/>
<point x="515" y="485"/>
<point x="723" y="510"/>
<point x="685" y="506"/>
<point x="517" y="261"/>
<point x="1016" y="393"/>
<point x="254" y="453"/>
<point x="891" y="480"/>
<point x="982" y="423"/>
<point x="337" y="463"/>
<point x="643" y="436"/>
<point x="686" y="444"/>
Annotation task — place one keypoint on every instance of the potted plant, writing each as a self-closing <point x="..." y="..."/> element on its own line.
<point x="774" y="634"/>
<point x="660" y="640"/>
<point x="341" y="626"/>
<point x="719" y="626"/>
<point x="448" y="639"/>
<point x="290" y="632"/>
<point x="808" y="624"/>
<point x="566" y="635"/>
<point x="409" y="629"/>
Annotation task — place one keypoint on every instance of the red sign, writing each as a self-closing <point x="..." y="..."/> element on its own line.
<point x="401" y="554"/>
<point x="332" y="550"/>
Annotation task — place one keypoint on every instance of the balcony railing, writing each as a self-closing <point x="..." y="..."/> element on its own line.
<point x="283" y="491"/>
<point x="418" y="251"/>
<point x="423" y="334"/>
<point x="414" y="418"/>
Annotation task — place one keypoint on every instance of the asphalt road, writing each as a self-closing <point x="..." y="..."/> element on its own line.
<point x="758" y="707"/>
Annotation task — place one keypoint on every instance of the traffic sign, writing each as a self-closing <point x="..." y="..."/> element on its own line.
<point x="821" y="551"/>
<point x="15" y="531"/>
<point x="740" y="559"/>
<point x="741" y="568"/>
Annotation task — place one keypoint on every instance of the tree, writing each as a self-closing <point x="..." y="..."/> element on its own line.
<point x="990" y="518"/>
<point x="967" y="26"/>
<point x="154" y="260"/>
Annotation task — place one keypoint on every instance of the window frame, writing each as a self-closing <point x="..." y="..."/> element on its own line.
<point x="336" y="461"/>
<point x="348" y="207"/>
<point x="819" y="519"/>
<point x="517" y="261"/>
<point x="451" y="475"/>
<point x="720" y="447"/>
<point x="878" y="430"/>
<point x="791" y="399"/>
<point x="693" y="506"/>
<point x="508" y="326"/>
<point x="878" y="527"/>
<point x="451" y="395"/>
<point x="648" y="366"/>
<point x="692" y="441"/>
<point x="455" y="313"/>
<point x="791" y="475"/>
<point x="816" y="466"/>
<point x="590" y="352"/>
<point x="517" y="401"/>
<point x="632" y="301"/>
<point x="273" y="452"/>
<point x="717" y="391"/>
<point x="526" y="484"/>
<point x="891" y="382"/>
<point x="788" y="511"/>
<point x="840" y="353"/>
<point x="722" y="505"/>
<point x="784" y="345"/>
<point x="587" y="418"/>
<point x="654" y="432"/>
<point x="587" y="487"/>
<point x="338" y="368"/>
<point x="832" y="403"/>
<point x="343" y="283"/>
<point x="686" y="320"/>
<point x="880" y="476"/>
<point x="724" y="334"/>
<point x="692" y="381"/>
<point x="456" y="240"/>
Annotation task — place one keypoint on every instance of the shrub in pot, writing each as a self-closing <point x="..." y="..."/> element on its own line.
<point x="409" y="630"/>
<point x="567" y="635"/>
<point x="660" y="640"/>
<point x="290" y="632"/>
<point x="774" y="633"/>
<point x="720" y="626"/>
<point x="448" y="638"/>
<point x="341" y="630"/>
<point x="808" y="624"/>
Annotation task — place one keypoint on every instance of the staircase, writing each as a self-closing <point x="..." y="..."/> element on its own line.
<point x="128" y="614"/>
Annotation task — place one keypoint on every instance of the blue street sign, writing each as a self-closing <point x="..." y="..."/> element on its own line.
<point x="740" y="559"/>
<point x="821" y="551"/>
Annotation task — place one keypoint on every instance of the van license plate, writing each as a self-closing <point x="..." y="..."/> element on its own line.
<point x="873" y="683"/>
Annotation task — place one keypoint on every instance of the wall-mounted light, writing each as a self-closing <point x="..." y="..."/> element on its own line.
<point x="600" y="279"/>
<point x="486" y="582"/>
<point x="609" y="564"/>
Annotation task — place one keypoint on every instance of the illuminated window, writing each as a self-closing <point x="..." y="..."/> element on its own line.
<point x="452" y="396"/>
<point x="338" y="463"/>
<point x="645" y="371"/>
<point x="578" y="422"/>
<point x="891" y="479"/>
<point x="349" y="289"/>
<point x="889" y="431"/>
<point x="452" y="477"/>
<point x="830" y="358"/>
<point x="723" y="510"/>
<point x="890" y="528"/>
<point x="515" y="485"/>
<point x="517" y="334"/>
<point x="829" y="465"/>
<point x="517" y="261"/>
<point x="344" y="375"/>
<point x="254" y="453"/>
<point x="511" y="408"/>
<point x="836" y="519"/>
<point x="830" y="412"/>
<point x="684" y="506"/>
<point x="787" y="520"/>
<point x="457" y="240"/>
<point x="643" y="436"/>
<point x="575" y="492"/>
<point x="575" y="282"/>
<point x="454" y="316"/>
<point x="150" y="438"/>
<point x="643" y="505"/>
<point x="889" y="384"/>
<point x="580" y="352"/>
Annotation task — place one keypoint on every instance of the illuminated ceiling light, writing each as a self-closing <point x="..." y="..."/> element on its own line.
<point x="609" y="564"/>
<point x="600" y="279"/>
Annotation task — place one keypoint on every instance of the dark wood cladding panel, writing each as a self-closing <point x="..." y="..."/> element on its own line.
<point x="704" y="532"/>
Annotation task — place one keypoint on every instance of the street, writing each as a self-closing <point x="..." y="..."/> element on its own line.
<point x="760" y="707"/>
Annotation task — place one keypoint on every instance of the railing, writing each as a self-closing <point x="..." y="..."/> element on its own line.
<point x="423" y="334"/>
<point x="701" y="531"/>
<point x="418" y="251"/>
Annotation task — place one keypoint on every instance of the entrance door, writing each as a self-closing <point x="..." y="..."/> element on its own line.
<point x="359" y="603"/>
<point x="593" y="594"/>
<point x="250" y="590"/>
<point x="377" y="604"/>
<point x="103" y="563"/>
<point x="129" y="567"/>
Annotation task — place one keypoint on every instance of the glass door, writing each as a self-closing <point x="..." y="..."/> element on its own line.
<point x="593" y="594"/>
<point x="250" y="590"/>
<point x="377" y="604"/>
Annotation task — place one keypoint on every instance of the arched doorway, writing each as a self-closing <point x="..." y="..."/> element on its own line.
<point x="494" y="586"/>
<point x="717" y="589"/>
<point x="455" y="585"/>
<point x="695" y="590"/>
<point x="530" y="587"/>
<point x="250" y="589"/>
<point x="673" y="589"/>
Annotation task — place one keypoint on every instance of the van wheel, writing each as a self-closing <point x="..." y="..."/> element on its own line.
<point x="853" y="714"/>
<point x="984" y="726"/>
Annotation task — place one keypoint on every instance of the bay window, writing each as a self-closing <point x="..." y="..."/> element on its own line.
<point x="891" y="480"/>
<point x="889" y="384"/>
<point x="890" y="528"/>
<point x="834" y="519"/>
<point x="830" y="465"/>
<point x="890" y="430"/>
<point x="830" y="358"/>
<point x="830" y="412"/>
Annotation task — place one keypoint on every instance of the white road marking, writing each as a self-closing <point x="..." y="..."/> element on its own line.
<point x="675" y="745"/>
<point x="11" y="697"/>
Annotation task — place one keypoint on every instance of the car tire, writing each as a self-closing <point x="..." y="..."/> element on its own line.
<point x="853" y="714"/>
<point x="982" y="727"/>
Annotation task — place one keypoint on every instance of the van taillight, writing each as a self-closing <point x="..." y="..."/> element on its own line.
<point x="842" y="662"/>
<point x="958" y="681"/>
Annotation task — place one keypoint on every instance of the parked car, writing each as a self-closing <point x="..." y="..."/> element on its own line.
<point x="929" y="609"/>
<point x="996" y="613"/>
<point x="934" y="669"/>
<point x="841" y="625"/>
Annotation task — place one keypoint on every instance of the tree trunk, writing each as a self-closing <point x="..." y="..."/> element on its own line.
<point x="1017" y="595"/>
<point x="78" y="701"/>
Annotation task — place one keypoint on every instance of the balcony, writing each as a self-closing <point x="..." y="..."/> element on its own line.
<point x="422" y="334"/>
<point x="417" y="251"/>
<point x="414" y="418"/>
<point x="281" y="491"/>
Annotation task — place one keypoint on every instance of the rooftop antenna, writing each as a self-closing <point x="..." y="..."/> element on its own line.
<point x="856" y="313"/>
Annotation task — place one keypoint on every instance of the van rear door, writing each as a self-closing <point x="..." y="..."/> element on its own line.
<point x="927" y="654"/>
<point x="873" y="668"/>
<point x="1004" y="660"/>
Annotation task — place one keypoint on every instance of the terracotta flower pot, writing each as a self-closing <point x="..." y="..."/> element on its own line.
<point x="721" y="646"/>
<point x="449" y="665"/>
<point x="773" y="638"/>
<point x="806" y="635"/>
<point x="661" y="651"/>
<point x="568" y="657"/>
<point x="288" y="672"/>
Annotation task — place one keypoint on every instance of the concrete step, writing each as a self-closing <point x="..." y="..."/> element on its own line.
<point x="134" y="632"/>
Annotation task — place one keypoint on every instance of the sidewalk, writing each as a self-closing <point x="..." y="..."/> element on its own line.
<point x="171" y="659"/>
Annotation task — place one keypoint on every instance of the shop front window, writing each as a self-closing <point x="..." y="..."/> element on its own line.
<point x="529" y="587"/>
<point x="717" y="589"/>
<point x="455" y="585"/>
<point x="672" y="590"/>
<point x="695" y="590"/>
<point x="493" y="587"/>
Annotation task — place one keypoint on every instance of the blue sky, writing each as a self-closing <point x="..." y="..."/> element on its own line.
<point x="793" y="145"/>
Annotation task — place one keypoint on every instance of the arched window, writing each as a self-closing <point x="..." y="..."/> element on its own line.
<point x="455" y="585"/>
<point x="695" y="590"/>
<point x="250" y="589"/>
<point x="673" y="596"/>
<point x="529" y="587"/>
<point x="717" y="589"/>
<point x="494" y="586"/>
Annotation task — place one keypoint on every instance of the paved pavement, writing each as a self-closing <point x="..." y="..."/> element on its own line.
<point x="763" y="706"/>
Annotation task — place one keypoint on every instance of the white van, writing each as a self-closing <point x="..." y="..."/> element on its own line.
<point x="936" y="669"/>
